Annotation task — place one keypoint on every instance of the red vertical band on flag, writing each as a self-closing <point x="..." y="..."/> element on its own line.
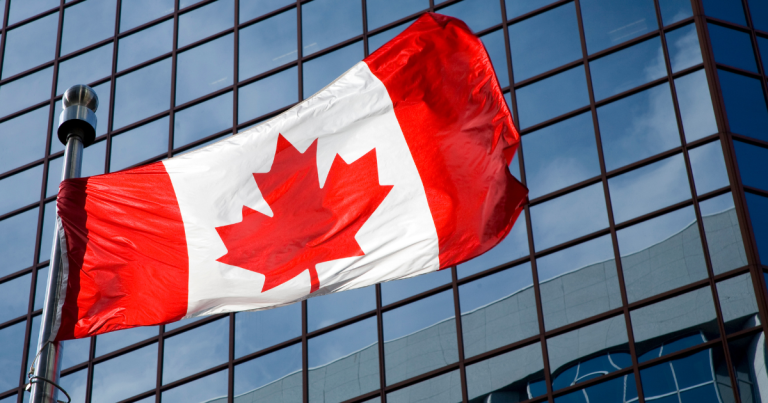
<point x="459" y="130"/>
<point x="127" y="252"/>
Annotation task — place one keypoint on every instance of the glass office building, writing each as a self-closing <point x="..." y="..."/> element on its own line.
<point x="635" y="274"/>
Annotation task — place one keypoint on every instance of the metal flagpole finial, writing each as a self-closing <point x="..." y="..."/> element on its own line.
<point x="79" y="115"/>
<point x="77" y="129"/>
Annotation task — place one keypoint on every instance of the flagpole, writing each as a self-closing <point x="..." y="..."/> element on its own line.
<point x="77" y="129"/>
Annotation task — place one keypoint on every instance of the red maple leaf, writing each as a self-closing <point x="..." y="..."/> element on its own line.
<point x="310" y="224"/>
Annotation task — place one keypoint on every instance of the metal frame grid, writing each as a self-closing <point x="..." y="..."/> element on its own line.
<point x="725" y="136"/>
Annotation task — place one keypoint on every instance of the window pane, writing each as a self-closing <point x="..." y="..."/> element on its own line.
<point x="658" y="327"/>
<point x="210" y="389"/>
<point x="34" y="328"/>
<point x="139" y="144"/>
<point x="284" y="323"/>
<point x="383" y="12"/>
<point x="514" y="246"/>
<point x="144" y="45"/>
<point x="322" y="71"/>
<point x="14" y="153"/>
<point x="505" y="376"/>
<point x="729" y="10"/>
<point x="567" y="217"/>
<point x="608" y="23"/>
<point x="617" y="390"/>
<point x="695" y="105"/>
<point x="138" y="12"/>
<point x="204" y="69"/>
<point x="744" y="104"/>
<point x="544" y="42"/>
<point x="11" y="347"/>
<point x="759" y="10"/>
<point x="26" y="91"/>
<point x="516" y="8"/>
<point x="497" y="310"/>
<point x="41" y="284"/>
<point x="440" y="389"/>
<point x="420" y="337"/>
<point x="738" y="303"/>
<point x="86" y="23"/>
<point x="85" y="69"/>
<point x="327" y="22"/>
<point x="661" y="254"/>
<point x="30" y="45"/>
<point x="142" y="93"/>
<point x="762" y="43"/>
<point x="393" y="291"/>
<point x="721" y="225"/>
<point x="275" y="377"/>
<point x="206" y="21"/>
<point x="552" y="97"/>
<point x="344" y="363"/>
<point x="628" y="68"/>
<point x="567" y="352"/>
<point x="692" y="377"/>
<point x="684" y="49"/>
<point x="578" y="282"/>
<point x="23" y="9"/>
<point x="745" y="351"/>
<point x="264" y="96"/>
<point x="478" y="14"/>
<point x="196" y="350"/>
<point x="649" y="188"/>
<point x="267" y="44"/>
<point x="46" y="237"/>
<point x="75" y="385"/>
<point x="75" y="352"/>
<point x="751" y="160"/>
<point x="732" y="47"/>
<point x="708" y="165"/>
<point x="675" y="10"/>
<point x="109" y="342"/>
<point x="136" y="372"/>
<point x="378" y="40"/>
<point x="758" y="214"/>
<point x="17" y="241"/>
<point x="638" y="126"/>
<point x="250" y="9"/>
<point x="14" y="297"/>
<point x="331" y="308"/>
<point x="203" y="119"/>
<point x="20" y="189"/>
<point x="494" y="44"/>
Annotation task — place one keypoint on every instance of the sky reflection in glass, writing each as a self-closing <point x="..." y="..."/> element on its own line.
<point x="729" y="10"/>
<point x="649" y="188"/>
<point x="250" y="9"/>
<point x="477" y="14"/>
<point x="204" y="69"/>
<point x="560" y="155"/>
<point x="544" y="42"/>
<point x="30" y="45"/>
<point x="684" y="49"/>
<point x="638" y="126"/>
<point x="144" y="45"/>
<point x="327" y="22"/>
<point x="17" y="241"/>
<point x="87" y="23"/>
<point x="332" y="308"/>
<point x="75" y="352"/>
<point x="268" y="94"/>
<point x="273" y="367"/>
<point x="85" y="69"/>
<point x="608" y="23"/>
<point x="17" y="153"/>
<point x="205" y="21"/>
<point x="11" y="347"/>
<point x="516" y="8"/>
<point x="136" y="370"/>
<point x="109" y="342"/>
<point x="139" y="144"/>
<point x="751" y="160"/>
<point x="14" y="297"/>
<point x="26" y="91"/>
<point x="552" y="96"/>
<point x="267" y="44"/>
<point x="322" y="71"/>
<point x="137" y="12"/>
<point x="568" y="217"/>
<point x="202" y="390"/>
<point x="195" y="350"/>
<point x="383" y="12"/>
<point x="695" y="103"/>
<point x="23" y="9"/>
<point x="628" y="68"/>
<point x="393" y="291"/>
<point x="283" y="324"/>
<point x="675" y="10"/>
<point x="133" y="86"/>
<point x="758" y="214"/>
<point x="204" y="119"/>
<point x="20" y="189"/>
<point x="76" y="385"/>
<point x="378" y="40"/>
<point x="708" y="165"/>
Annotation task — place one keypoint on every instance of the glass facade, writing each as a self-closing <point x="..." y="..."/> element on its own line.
<point x="635" y="273"/>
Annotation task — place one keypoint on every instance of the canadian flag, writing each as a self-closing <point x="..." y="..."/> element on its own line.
<point x="397" y="168"/>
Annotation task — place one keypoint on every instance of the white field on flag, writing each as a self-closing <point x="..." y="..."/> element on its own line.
<point x="351" y="117"/>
